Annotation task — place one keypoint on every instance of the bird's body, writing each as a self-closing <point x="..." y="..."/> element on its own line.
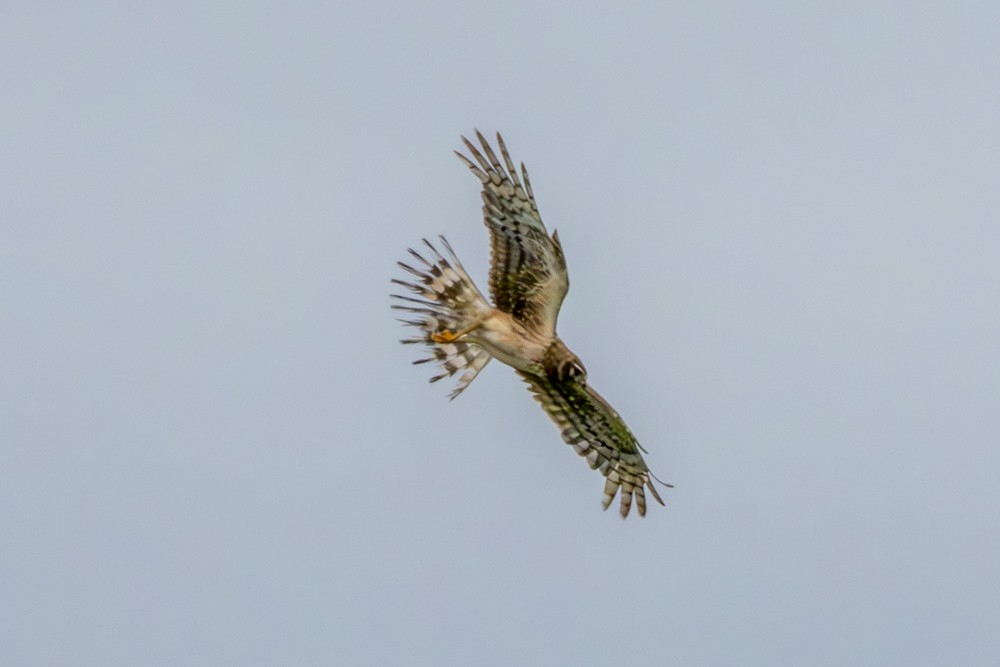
<point x="510" y="342"/>
<point x="528" y="282"/>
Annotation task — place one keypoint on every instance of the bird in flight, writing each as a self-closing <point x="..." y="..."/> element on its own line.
<point x="528" y="282"/>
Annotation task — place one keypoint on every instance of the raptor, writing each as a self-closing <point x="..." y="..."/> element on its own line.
<point x="527" y="282"/>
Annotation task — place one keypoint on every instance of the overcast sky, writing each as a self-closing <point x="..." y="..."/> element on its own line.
<point x="782" y="227"/>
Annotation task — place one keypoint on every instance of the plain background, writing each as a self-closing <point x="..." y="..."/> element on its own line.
<point x="782" y="224"/>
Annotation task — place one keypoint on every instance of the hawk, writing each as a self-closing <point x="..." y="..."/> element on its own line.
<point x="528" y="282"/>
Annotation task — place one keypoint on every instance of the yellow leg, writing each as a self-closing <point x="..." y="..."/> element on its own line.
<point x="449" y="337"/>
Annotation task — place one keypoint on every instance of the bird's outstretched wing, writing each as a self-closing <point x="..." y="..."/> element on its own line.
<point x="598" y="434"/>
<point x="528" y="272"/>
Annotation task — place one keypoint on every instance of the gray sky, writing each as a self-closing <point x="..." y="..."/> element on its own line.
<point x="781" y="225"/>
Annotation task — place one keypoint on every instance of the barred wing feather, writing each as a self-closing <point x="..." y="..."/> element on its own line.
<point x="598" y="434"/>
<point x="527" y="269"/>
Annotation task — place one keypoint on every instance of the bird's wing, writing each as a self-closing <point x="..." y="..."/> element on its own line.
<point x="598" y="434"/>
<point x="527" y="269"/>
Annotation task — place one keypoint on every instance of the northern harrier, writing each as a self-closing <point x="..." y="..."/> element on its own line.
<point x="528" y="282"/>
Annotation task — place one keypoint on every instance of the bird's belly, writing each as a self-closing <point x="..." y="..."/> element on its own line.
<point x="509" y="342"/>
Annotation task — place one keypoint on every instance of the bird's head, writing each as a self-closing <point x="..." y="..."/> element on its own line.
<point x="562" y="365"/>
<point x="571" y="368"/>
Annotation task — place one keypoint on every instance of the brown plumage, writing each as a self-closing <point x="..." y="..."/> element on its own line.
<point x="528" y="282"/>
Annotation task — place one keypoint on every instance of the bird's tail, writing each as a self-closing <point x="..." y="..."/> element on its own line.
<point x="447" y="302"/>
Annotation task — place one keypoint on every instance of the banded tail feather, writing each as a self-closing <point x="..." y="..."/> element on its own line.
<point x="446" y="301"/>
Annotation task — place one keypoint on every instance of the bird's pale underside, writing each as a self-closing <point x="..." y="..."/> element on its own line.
<point x="528" y="282"/>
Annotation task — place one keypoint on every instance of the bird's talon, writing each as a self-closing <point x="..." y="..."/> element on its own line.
<point x="443" y="336"/>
